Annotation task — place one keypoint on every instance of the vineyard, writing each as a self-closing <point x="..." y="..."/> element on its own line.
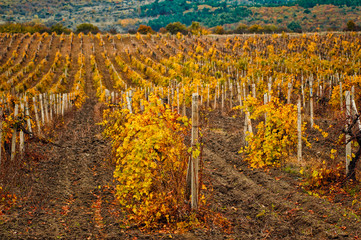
<point x="173" y="136"/>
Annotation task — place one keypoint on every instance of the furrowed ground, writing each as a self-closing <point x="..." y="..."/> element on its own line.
<point x="64" y="185"/>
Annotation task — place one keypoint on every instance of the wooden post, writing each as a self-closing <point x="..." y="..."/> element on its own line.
<point x="28" y="116"/>
<point x="184" y="102"/>
<point x="207" y="95"/>
<point x="289" y="93"/>
<point x="21" y="134"/>
<point x="303" y="93"/>
<point x="265" y="101"/>
<point x="231" y="95"/>
<point x="54" y="105"/>
<point x="247" y="126"/>
<point x="222" y="93"/>
<point x="215" y="98"/>
<point x="62" y="104"/>
<point x="68" y="101"/>
<point x="311" y="104"/>
<point x="1" y="131"/>
<point x="348" y="117"/>
<point x="244" y="91"/>
<point x="58" y="104"/>
<point x="65" y="100"/>
<point x="13" y="140"/>
<point x="299" y="130"/>
<point x="178" y="110"/>
<point x="341" y="97"/>
<point x="129" y="101"/>
<point x="70" y="97"/>
<point x="330" y="92"/>
<point x="51" y="107"/>
<point x="45" y="107"/>
<point x="168" y="96"/>
<point x="240" y="96"/>
<point x="195" y="161"/>
<point x="36" y="116"/>
<point x="41" y="108"/>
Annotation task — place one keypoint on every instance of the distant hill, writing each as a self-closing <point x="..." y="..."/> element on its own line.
<point x="316" y="15"/>
<point x="313" y="3"/>
<point x="122" y="15"/>
<point x="104" y="14"/>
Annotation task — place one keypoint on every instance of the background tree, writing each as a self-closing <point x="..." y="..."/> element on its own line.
<point x="242" y="28"/>
<point x="23" y="28"/>
<point x="351" y="26"/>
<point x="174" y="28"/>
<point x="255" y="28"/>
<point x="163" y="30"/>
<point x="86" y="28"/>
<point x="295" y="27"/>
<point x="143" y="29"/>
<point x="195" y="28"/>
<point x="219" y="30"/>
<point x="59" y="29"/>
<point x="270" y="28"/>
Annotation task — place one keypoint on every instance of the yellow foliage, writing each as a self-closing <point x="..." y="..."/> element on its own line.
<point x="151" y="160"/>
<point x="275" y="139"/>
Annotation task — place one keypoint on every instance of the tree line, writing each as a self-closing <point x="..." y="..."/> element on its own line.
<point x="58" y="28"/>
<point x="195" y="28"/>
<point x="312" y="3"/>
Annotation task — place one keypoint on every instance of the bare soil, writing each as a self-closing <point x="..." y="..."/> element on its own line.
<point x="65" y="186"/>
<point x="66" y="190"/>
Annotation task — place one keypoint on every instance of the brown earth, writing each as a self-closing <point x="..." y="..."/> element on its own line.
<point x="65" y="185"/>
<point x="65" y="190"/>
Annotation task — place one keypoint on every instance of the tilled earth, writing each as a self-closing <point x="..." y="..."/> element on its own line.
<point x="66" y="190"/>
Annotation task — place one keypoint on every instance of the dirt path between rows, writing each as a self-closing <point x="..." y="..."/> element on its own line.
<point x="64" y="185"/>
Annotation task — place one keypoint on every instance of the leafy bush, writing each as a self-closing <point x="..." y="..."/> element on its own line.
<point x="176" y="27"/>
<point x="59" y="29"/>
<point x="275" y="139"/>
<point x="151" y="163"/>
<point x="23" y="28"/>
<point x="143" y="29"/>
<point x="87" y="28"/>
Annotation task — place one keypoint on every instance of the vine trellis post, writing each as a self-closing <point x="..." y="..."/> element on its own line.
<point x="348" y="142"/>
<point x="193" y="164"/>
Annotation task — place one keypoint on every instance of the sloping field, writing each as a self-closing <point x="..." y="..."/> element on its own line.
<point x="62" y="185"/>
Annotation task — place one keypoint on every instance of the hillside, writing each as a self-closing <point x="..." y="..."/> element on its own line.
<point x="104" y="14"/>
<point x="317" y="15"/>
<point x="318" y="18"/>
